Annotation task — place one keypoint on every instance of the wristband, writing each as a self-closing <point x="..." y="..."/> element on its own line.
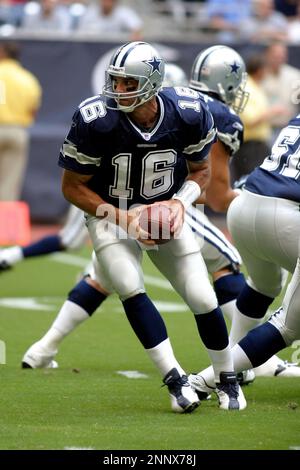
<point x="189" y="192"/>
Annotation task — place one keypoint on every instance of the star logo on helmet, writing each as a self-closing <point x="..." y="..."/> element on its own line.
<point x="234" y="67"/>
<point x="154" y="64"/>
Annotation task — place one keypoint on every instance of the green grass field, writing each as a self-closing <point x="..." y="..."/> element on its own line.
<point x="86" y="403"/>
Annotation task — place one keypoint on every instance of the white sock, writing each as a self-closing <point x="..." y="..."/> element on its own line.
<point x="221" y="361"/>
<point x="228" y="309"/>
<point x="163" y="357"/>
<point x="209" y="376"/>
<point x="69" y="316"/>
<point x="240" y="326"/>
<point x="14" y="254"/>
<point x="240" y="359"/>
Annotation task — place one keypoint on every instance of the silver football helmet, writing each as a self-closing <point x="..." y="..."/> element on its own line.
<point x="140" y="61"/>
<point x="221" y="70"/>
<point x="174" y="76"/>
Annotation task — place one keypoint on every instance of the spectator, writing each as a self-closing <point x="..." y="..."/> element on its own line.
<point x="225" y="17"/>
<point x="256" y="118"/>
<point x="20" y="100"/>
<point x="108" y="17"/>
<point x="266" y="24"/>
<point x="16" y="11"/>
<point x="280" y="84"/>
<point x="5" y="12"/>
<point x="48" y="15"/>
<point x="294" y="28"/>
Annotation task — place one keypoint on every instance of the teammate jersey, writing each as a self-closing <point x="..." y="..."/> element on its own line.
<point x="134" y="165"/>
<point x="230" y="129"/>
<point x="279" y="174"/>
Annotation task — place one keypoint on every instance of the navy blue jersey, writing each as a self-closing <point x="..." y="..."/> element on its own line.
<point x="135" y="165"/>
<point x="230" y="129"/>
<point x="279" y="174"/>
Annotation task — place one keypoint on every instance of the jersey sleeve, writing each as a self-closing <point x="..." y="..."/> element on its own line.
<point x="200" y="135"/>
<point x="230" y="131"/>
<point x="77" y="153"/>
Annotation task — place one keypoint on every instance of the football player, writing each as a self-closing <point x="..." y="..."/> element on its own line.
<point x="220" y="256"/>
<point x="138" y="145"/>
<point x="265" y="224"/>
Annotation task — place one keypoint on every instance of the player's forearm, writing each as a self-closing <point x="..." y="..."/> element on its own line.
<point x="90" y="202"/>
<point x="82" y="197"/>
<point x="200" y="174"/>
<point x="75" y="189"/>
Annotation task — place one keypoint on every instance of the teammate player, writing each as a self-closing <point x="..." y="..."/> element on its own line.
<point x="265" y="224"/>
<point x="135" y="148"/>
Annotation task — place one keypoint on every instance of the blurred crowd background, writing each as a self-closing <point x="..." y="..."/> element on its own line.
<point x="66" y="44"/>
<point x="225" y="20"/>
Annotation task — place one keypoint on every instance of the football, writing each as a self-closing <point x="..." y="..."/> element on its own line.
<point x="155" y="221"/>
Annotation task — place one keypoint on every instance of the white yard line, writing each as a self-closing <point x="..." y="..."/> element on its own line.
<point x="26" y="303"/>
<point x="50" y="304"/>
<point x="157" y="282"/>
<point x="132" y="374"/>
<point x="74" y="260"/>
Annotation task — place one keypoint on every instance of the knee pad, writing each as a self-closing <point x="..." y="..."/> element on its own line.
<point x="201" y="298"/>
<point x="279" y="321"/>
<point x="96" y="273"/>
<point x="126" y="279"/>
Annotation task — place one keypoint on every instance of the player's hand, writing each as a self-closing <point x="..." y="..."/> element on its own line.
<point x="176" y="218"/>
<point x="133" y="226"/>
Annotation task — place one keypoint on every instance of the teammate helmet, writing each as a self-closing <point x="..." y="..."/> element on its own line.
<point x="140" y="61"/>
<point x="221" y="70"/>
<point x="174" y="76"/>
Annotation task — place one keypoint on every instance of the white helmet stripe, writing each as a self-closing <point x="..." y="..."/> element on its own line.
<point x="199" y="65"/>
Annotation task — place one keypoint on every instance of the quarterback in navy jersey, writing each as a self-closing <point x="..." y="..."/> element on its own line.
<point x="130" y="163"/>
<point x="141" y="146"/>
<point x="221" y="258"/>
<point x="265" y="224"/>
